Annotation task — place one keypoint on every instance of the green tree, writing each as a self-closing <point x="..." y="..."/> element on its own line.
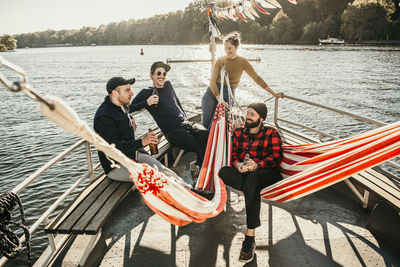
<point x="365" y="20"/>
<point x="3" y="48"/>
<point x="312" y="32"/>
<point x="283" y="30"/>
<point x="8" y="41"/>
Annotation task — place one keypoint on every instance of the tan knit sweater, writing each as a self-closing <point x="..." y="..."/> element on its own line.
<point x="235" y="68"/>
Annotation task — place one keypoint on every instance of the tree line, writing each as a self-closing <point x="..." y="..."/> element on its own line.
<point x="353" y="20"/>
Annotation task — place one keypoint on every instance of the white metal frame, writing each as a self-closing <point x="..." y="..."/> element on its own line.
<point x="45" y="216"/>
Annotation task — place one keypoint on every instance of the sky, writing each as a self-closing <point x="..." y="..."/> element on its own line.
<point x="24" y="16"/>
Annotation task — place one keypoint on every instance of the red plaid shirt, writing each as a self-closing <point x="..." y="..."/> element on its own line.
<point x="265" y="149"/>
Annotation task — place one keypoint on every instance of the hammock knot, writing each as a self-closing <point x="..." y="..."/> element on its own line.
<point x="149" y="180"/>
<point x="10" y="245"/>
<point x="220" y="111"/>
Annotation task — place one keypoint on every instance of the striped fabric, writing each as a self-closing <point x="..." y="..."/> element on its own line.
<point x="312" y="167"/>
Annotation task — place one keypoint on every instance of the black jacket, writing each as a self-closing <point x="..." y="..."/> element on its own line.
<point x="169" y="114"/>
<point x="113" y="124"/>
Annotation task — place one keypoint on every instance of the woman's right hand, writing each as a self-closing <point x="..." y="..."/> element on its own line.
<point x="152" y="100"/>
<point x="150" y="138"/>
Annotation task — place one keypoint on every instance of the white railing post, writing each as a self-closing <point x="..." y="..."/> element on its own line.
<point x="50" y="237"/>
<point x="89" y="159"/>
<point x="276" y="111"/>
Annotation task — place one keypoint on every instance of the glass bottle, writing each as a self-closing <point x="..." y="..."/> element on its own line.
<point x="247" y="159"/>
<point x="155" y="92"/>
<point x="153" y="147"/>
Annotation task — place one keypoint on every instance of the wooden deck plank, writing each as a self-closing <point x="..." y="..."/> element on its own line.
<point x="383" y="178"/>
<point x="105" y="211"/>
<point x="387" y="191"/>
<point x="50" y="228"/>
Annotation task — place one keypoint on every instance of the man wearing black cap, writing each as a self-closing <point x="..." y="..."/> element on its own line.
<point x="163" y="104"/>
<point x="114" y="123"/>
<point x="256" y="156"/>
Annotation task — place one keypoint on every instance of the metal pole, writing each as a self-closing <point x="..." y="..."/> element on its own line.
<point x="276" y="111"/>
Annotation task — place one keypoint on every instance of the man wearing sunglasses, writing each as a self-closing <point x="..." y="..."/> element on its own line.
<point x="114" y="123"/>
<point x="163" y="104"/>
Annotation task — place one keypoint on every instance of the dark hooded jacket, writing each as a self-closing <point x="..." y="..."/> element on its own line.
<point x="113" y="124"/>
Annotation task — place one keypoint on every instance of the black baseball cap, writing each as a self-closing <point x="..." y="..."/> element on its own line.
<point x="114" y="82"/>
<point x="159" y="64"/>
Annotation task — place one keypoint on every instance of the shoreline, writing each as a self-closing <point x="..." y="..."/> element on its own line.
<point x="364" y="43"/>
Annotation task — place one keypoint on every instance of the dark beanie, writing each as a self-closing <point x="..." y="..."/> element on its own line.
<point x="260" y="108"/>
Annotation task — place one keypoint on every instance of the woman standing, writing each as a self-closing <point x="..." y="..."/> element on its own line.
<point x="234" y="66"/>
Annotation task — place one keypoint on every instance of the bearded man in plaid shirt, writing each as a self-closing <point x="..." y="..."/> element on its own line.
<point x="256" y="156"/>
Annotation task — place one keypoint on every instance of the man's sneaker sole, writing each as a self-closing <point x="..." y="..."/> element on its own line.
<point x="253" y="249"/>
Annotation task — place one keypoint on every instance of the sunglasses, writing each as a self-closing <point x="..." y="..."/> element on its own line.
<point x="163" y="73"/>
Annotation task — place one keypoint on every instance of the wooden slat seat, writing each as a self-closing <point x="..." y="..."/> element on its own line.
<point x="88" y="212"/>
<point x="380" y="184"/>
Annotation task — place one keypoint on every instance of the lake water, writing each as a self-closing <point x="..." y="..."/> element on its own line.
<point x="357" y="79"/>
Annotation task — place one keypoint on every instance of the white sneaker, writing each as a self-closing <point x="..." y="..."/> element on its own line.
<point x="194" y="170"/>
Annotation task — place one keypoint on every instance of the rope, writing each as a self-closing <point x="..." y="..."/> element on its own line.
<point x="10" y="246"/>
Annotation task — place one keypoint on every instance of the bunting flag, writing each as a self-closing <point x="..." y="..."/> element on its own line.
<point x="246" y="9"/>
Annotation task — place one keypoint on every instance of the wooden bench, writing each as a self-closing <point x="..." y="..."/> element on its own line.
<point x="89" y="211"/>
<point x="375" y="179"/>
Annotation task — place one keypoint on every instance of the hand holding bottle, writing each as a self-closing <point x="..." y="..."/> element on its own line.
<point x="150" y="138"/>
<point x="152" y="100"/>
<point x="153" y="146"/>
<point x="249" y="167"/>
<point x="248" y="164"/>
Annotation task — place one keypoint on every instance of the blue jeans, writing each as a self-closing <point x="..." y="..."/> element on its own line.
<point x="209" y="104"/>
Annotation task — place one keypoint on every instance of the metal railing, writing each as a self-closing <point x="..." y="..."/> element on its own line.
<point x="36" y="175"/>
<point x="319" y="132"/>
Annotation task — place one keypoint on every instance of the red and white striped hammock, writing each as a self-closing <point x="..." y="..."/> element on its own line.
<point x="308" y="168"/>
<point x="312" y="167"/>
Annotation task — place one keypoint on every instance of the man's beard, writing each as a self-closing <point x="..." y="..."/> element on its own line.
<point x="250" y="125"/>
<point x="124" y="101"/>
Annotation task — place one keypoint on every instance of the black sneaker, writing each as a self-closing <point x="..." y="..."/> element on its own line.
<point x="247" y="251"/>
<point x="206" y="194"/>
